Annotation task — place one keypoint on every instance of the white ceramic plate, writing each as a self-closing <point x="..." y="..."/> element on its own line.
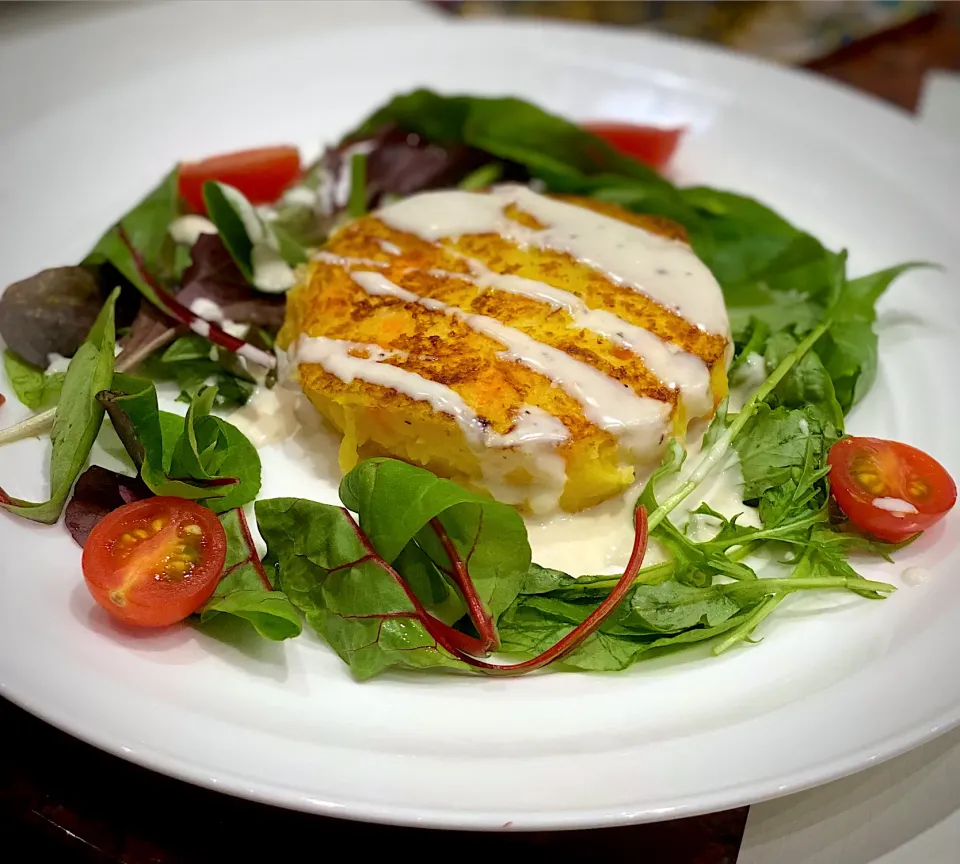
<point x="823" y="695"/>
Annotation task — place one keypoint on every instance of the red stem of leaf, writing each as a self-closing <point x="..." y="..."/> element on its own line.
<point x="181" y="313"/>
<point x="579" y="634"/>
<point x="453" y="641"/>
<point x="253" y="558"/>
<point x="478" y="613"/>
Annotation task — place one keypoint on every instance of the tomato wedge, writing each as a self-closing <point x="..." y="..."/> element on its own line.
<point x="646" y="144"/>
<point x="261" y="175"/>
<point x="154" y="562"/>
<point x="888" y="489"/>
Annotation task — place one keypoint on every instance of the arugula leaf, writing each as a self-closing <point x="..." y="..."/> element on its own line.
<point x="193" y="363"/>
<point x="808" y="383"/>
<point x="145" y="227"/>
<point x="244" y="590"/>
<point x="782" y="447"/>
<point x="33" y="386"/>
<point x="78" y="417"/>
<point x="849" y="350"/>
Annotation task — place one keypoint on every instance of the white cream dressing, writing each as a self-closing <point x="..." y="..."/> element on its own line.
<point x="269" y="416"/>
<point x="269" y="271"/>
<point x="389" y="248"/>
<point x="665" y="270"/>
<point x="211" y="311"/>
<point x="746" y="380"/>
<point x="346" y="263"/>
<point x="640" y="422"/>
<point x="186" y="230"/>
<point x="599" y="540"/>
<point x="56" y="363"/>
<point x="897" y="506"/>
<point x="300" y="196"/>
<point x="914" y="576"/>
<point x="672" y="365"/>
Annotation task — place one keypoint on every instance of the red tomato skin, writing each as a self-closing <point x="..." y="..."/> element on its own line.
<point x="153" y="601"/>
<point x="898" y="465"/>
<point x="261" y="175"/>
<point x="648" y="144"/>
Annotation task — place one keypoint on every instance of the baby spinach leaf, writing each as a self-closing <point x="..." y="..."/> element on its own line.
<point x="526" y="631"/>
<point x="230" y="224"/>
<point x="78" y="417"/>
<point x="245" y="591"/>
<point x="550" y="147"/>
<point x="671" y="607"/>
<point x="170" y="453"/>
<point x="136" y="418"/>
<point x="210" y="448"/>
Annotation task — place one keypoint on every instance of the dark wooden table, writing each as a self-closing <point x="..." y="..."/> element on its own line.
<point x="62" y="800"/>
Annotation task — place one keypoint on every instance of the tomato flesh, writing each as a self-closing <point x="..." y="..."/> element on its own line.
<point x="154" y="562"/>
<point x="888" y="489"/>
<point x="647" y="144"/>
<point x="261" y="175"/>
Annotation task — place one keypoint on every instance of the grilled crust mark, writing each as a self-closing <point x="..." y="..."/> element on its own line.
<point x="430" y="344"/>
<point x="362" y="240"/>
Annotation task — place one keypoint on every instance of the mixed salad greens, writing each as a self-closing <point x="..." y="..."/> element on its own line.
<point x="412" y="570"/>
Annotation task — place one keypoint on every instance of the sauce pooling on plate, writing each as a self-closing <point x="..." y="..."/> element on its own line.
<point x="434" y="329"/>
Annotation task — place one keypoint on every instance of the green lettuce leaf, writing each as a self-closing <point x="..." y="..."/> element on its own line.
<point x="34" y="387"/>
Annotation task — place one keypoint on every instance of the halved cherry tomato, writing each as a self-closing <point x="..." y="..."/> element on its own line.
<point x="646" y="144"/>
<point x="888" y="489"/>
<point x="156" y="561"/>
<point x="261" y="175"/>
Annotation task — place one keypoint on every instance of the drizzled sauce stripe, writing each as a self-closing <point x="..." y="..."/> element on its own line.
<point x="638" y="421"/>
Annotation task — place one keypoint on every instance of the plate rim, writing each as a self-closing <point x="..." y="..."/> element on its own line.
<point x="155" y="760"/>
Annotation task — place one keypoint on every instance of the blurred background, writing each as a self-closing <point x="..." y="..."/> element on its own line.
<point x="882" y="46"/>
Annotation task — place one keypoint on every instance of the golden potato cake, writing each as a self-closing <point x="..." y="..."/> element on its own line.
<point x="539" y="349"/>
